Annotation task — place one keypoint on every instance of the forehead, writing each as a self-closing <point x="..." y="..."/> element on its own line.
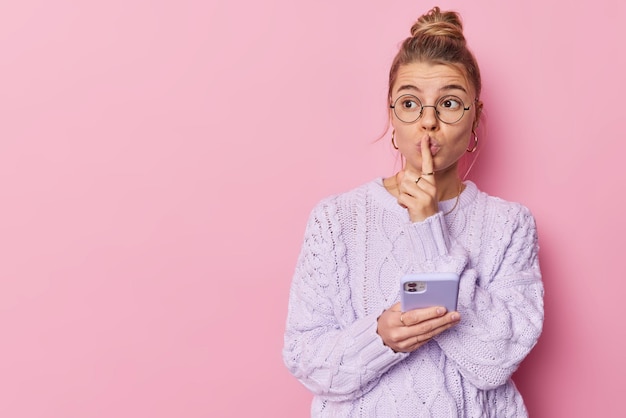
<point x="430" y="78"/>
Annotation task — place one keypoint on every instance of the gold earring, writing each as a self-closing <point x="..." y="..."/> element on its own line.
<point x="393" y="139"/>
<point x="475" y="142"/>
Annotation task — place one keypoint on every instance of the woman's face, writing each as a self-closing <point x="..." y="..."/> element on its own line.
<point x="430" y="83"/>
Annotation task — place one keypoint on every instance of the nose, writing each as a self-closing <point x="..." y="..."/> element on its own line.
<point x="428" y="118"/>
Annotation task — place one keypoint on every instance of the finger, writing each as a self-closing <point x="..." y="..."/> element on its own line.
<point x="420" y="315"/>
<point x="397" y="307"/>
<point x="432" y="327"/>
<point x="407" y="339"/>
<point x="402" y="319"/>
<point x="411" y="345"/>
<point x="399" y="181"/>
<point x="408" y="180"/>
<point x="427" y="157"/>
<point x="417" y="196"/>
<point x="439" y="325"/>
<point x="406" y="184"/>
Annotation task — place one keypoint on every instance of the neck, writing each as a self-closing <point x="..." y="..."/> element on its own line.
<point x="448" y="183"/>
<point x="448" y="188"/>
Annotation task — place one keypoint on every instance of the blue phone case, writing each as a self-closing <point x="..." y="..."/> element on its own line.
<point x="423" y="290"/>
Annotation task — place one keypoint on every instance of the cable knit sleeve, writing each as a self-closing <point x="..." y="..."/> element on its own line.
<point x="334" y="354"/>
<point x="501" y="303"/>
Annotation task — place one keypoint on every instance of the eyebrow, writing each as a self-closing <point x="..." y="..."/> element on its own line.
<point x="444" y="88"/>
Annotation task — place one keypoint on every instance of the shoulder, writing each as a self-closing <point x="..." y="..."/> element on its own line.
<point x="350" y="200"/>
<point x="504" y="212"/>
<point x="511" y="208"/>
<point x="341" y="212"/>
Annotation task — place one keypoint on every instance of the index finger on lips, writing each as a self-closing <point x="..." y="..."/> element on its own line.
<point x="427" y="157"/>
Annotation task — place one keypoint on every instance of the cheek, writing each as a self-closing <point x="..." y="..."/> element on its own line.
<point x="405" y="135"/>
<point x="462" y="134"/>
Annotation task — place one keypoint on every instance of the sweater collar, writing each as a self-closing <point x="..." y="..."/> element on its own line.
<point x="390" y="202"/>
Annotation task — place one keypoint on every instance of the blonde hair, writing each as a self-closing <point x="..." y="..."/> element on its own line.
<point x="437" y="37"/>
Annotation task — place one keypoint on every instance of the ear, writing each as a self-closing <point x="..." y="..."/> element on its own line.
<point x="478" y="114"/>
<point x="392" y="120"/>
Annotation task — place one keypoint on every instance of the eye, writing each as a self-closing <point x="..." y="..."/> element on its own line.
<point x="409" y="103"/>
<point x="450" y="103"/>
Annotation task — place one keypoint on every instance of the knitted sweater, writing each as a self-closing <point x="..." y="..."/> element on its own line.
<point x="357" y="245"/>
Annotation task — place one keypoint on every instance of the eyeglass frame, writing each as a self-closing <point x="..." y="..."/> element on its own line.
<point x="422" y="106"/>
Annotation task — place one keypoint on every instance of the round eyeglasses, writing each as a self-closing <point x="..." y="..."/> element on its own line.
<point x="448" y="109"/>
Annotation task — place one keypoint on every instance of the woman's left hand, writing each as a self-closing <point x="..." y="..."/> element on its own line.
<point x="407" y="331"/>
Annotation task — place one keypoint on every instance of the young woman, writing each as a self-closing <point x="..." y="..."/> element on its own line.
<point x="347" y="339"/>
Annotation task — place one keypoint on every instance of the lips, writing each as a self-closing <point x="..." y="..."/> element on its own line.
<point x="434" y="146"/>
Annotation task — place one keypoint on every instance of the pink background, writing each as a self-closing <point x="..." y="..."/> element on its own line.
<point x="158" y="161"/>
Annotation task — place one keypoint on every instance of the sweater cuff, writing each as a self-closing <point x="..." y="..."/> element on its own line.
<point x="429" y="238"/>
<point x="373" y="355"/>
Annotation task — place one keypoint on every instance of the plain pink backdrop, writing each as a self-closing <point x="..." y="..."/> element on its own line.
<point x="158" y="161"/>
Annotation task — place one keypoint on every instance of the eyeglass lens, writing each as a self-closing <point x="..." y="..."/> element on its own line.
<point x="449" y="109"/>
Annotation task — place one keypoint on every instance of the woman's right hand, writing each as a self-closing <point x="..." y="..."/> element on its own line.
<point x="407" y="331"/>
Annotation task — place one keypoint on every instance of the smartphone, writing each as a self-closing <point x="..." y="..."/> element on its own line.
<point x="423" y="290"/>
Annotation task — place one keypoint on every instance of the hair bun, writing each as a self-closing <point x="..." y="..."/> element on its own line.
<point x="437" y="38"/>
<point x="436" y="23"/>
